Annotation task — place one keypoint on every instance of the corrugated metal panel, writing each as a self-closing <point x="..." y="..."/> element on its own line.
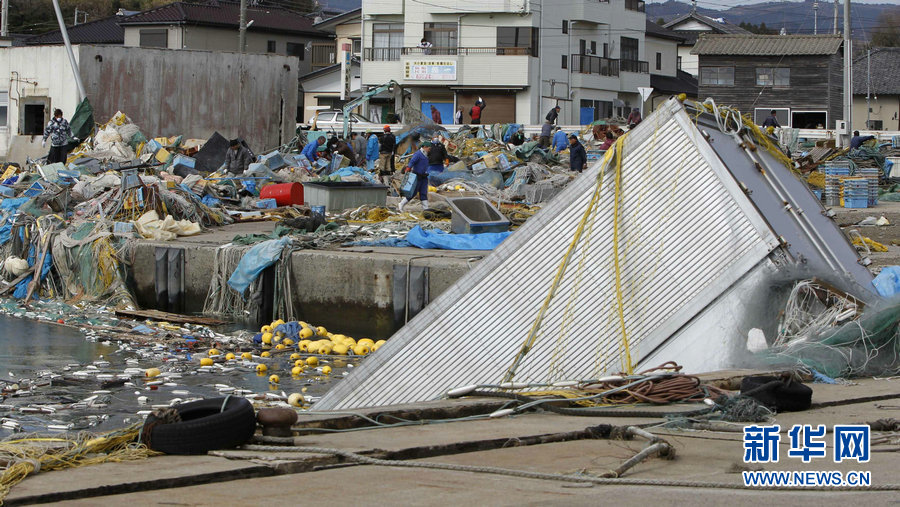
<point x="767" y="45"/>
<point x="687" y="234"/>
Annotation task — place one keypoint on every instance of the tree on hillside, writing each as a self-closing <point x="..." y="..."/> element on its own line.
<point x="888" y="32"/>
<point x="760" y="29"/>
<point x="660" y="21"/>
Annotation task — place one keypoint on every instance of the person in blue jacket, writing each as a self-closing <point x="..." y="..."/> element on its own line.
<point x="310" y="151"/>
<point x="559" y="140"/>
<point x="418" y="164"/>
<point x="372" y="148"/>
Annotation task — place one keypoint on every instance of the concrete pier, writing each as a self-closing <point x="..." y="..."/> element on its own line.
<point x="331" y="284"/>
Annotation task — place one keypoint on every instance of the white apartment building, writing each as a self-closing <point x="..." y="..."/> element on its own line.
<point x="521" y="57"/>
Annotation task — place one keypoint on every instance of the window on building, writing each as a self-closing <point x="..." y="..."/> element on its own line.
<point x="154" y="38"/>
<point x="4" y="108"/>
<point x="773" y="76"/>
<point x="517" y="40"/>
<point x="593" y="47"/>
<point x="565" y="61"/>
<point x="605" y="50"/>
<point x="357" y="46"/>
<point x="387" y="41"/>
<point x="658" y="61"/>
<point x="678" y="63"/>
<point x="443" y="38"/>
<point x="719" y="76"/>
<point x="629" y="49"/>
<point x="565" y="26"/>
<point x="297" y="49"/>
<point x="582" y="47"/>
<point x="271" y="46"/>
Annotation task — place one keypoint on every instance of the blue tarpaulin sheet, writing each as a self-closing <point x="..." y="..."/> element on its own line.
<point x="22" y="287"/>
<point x="254" y="261"/>
<point x="887" y="283"/>
<point x="445" y="241"/>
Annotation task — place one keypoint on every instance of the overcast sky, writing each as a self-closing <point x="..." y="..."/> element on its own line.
<point x="724" y="4"/>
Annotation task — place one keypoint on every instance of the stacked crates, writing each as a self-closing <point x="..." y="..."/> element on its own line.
<point x="895" y="141"/>
<point x="833" y="174"/>
<point x="871" y="175"/>
<point x="856" y="192"/>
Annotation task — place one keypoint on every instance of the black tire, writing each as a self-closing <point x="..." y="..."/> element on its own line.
<point x="780" y="396"/>
<point x="205" y="427"/>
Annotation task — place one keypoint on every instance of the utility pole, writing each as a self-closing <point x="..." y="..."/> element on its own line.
<point x="242" y="38"/>
<point x="65" y="36"/>
<point x="4" y="25"/>
<point x="835" y="24"/>
<point x="75" y="22"/>
<point x="848" y="82"/>
<point x="868" y="88"/>
<point x="815" y="18"/>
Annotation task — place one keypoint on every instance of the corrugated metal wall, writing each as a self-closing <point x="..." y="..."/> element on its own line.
<point x="687" y="233"/>
<point x="170" y="92"/>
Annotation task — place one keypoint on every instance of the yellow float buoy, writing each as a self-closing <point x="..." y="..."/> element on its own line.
<point x="229" y="356"/>
<point x="312" y="361"/>
<point x="296" y="400"/>
<point x="296" y="370"/>
<point x="265" y="354"/>
<point x="152" y="372"/>
<point x="321" y="331"/>
<point x="206" y="362"/>
<point x="261" y="368"/>
<point x="274" y="379"/>
<point x="246" y="356"/>
<point x="326" y="370"/>
<point x="212" y="352"/>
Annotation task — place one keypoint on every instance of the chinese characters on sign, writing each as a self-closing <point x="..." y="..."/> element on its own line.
<point x="851" y="442"/>
<point x="430" y="70"/>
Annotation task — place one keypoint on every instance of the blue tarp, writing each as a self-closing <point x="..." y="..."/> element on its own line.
<point x="254" y="261"/>
<point x="440" y="240"/>
<point x="9" y="207"/>
<point x="445" y="241"/>
<point x="887" y="283"/>
<point x="22" y="287"/>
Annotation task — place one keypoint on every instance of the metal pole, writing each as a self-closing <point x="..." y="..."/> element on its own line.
<point x="4" y="25"/>
<point x="868" y="89"/>
<point x="815" y="18"/>
<point x="242" y="38"/>
<point x="834" y="21"/>
<point x="72" y="62"/>
<point x="848" y="82"/>
<point x="75" y="21"/>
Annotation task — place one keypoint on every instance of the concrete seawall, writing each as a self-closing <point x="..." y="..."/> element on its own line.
<point x="350" y="290"/>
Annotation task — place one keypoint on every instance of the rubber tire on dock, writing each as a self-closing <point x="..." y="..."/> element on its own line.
<point x="205" y="427"/>
<point x="781" y="396"/>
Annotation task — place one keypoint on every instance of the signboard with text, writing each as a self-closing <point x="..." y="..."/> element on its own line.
<point x="430" y="70"/>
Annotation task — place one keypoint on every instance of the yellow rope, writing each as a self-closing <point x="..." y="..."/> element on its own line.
<point x="619" y="147"/>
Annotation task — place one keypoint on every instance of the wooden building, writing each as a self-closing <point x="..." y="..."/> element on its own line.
<point x="798" y="76"/>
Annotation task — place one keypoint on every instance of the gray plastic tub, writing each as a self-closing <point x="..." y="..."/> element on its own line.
<point x="338" y="195"/>
<point x="474" y="215"/>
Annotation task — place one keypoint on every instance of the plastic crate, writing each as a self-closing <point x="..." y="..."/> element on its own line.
<point x="856" y="203"/>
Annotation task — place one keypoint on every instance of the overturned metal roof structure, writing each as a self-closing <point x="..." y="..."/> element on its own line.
<point x="672" y="252"/>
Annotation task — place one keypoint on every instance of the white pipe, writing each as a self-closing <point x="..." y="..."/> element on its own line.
<point x="848" y="82"/>
<point x="72" y="62"/>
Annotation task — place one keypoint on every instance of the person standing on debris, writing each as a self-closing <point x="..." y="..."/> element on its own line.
<point x="372" y="148"/>
<point x="609" y="141"/>
<point x="386" y="153"/>
<point x="311" y="150"/>
<point x="435" y="115"/>
<point x="553" y="115"/>
<point x="418" y="164"/>
<point x="476" y="111"/>
<point x="59" y="132"/>
<point x="459" y="116"/>
<point x="544" y="140"/>
<point x="857" y="140"/>
<point x="342" y="148"/>
<point x="634" y="118"/>
<point x="772" y="120"/>
<point x="437" y="157"/>
<point x="559" y="140"/>
<point x="358" y="143"/>
<point x="237" y="158"/>
<point x="577" y="155"/>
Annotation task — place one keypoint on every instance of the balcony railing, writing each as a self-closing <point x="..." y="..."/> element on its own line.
<point x="589" y="64"/>
<point x="635" y="5"/>
<point x="393" y="54"/>
<point x="323" y="55"/>
<point x="634" y="66"/>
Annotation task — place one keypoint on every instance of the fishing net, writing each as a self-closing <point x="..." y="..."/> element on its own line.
<point x="867" y="346"/>
<point x="87" y="262"/>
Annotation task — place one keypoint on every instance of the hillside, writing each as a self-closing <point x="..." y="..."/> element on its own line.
<point x="796" y="17"/>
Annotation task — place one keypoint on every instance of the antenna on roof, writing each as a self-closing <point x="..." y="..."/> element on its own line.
<point x="693" y="6"/>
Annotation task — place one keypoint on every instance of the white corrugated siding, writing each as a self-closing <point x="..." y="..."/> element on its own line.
<point x="686" y="234"/>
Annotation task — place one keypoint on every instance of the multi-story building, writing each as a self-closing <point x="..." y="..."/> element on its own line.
<point x="521" y="57"/>
<point x="691" y="26"/>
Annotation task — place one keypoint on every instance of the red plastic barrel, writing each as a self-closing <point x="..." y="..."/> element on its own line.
<point x="285" y="194"/>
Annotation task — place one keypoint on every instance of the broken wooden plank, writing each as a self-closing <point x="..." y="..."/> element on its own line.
<point x="169" y="317"/>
